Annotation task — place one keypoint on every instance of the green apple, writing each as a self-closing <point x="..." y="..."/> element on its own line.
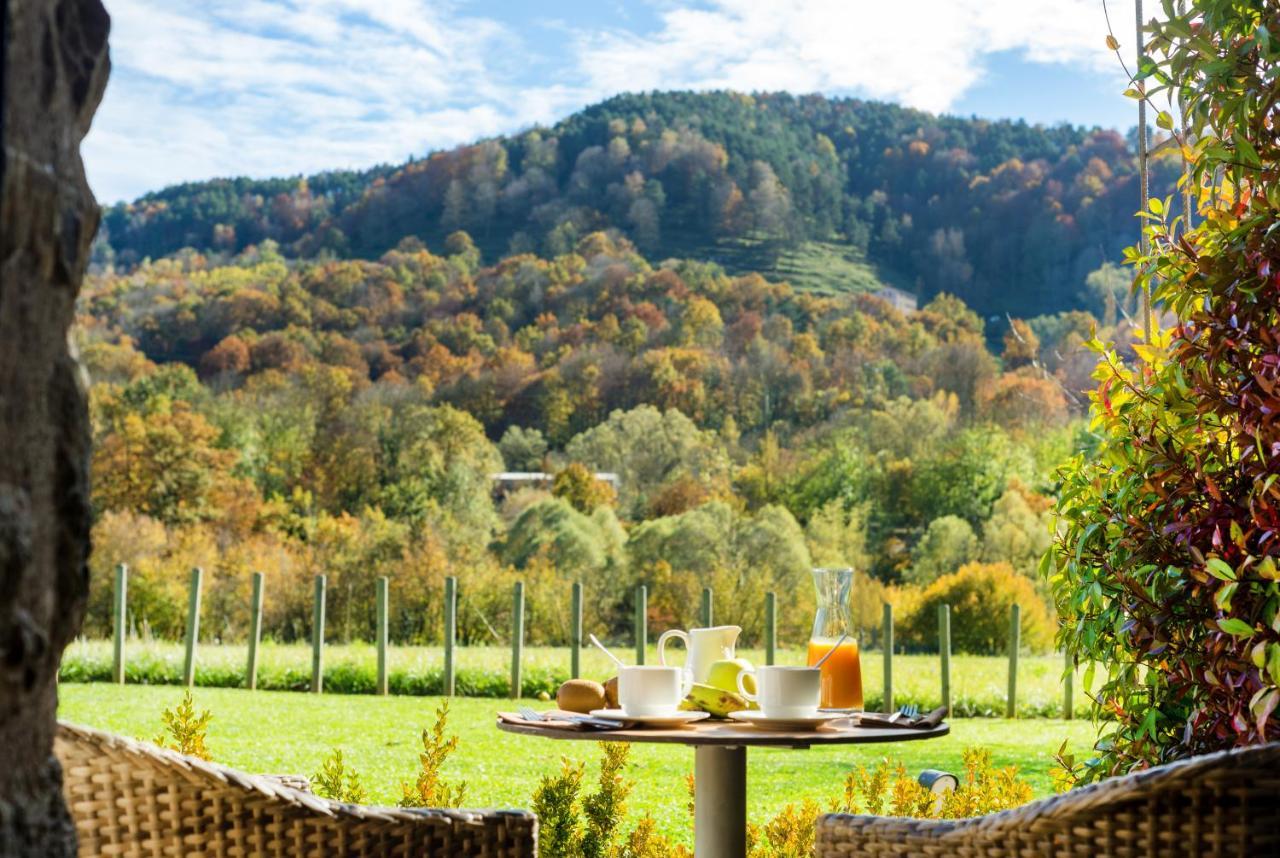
<point x="724" y="675"/>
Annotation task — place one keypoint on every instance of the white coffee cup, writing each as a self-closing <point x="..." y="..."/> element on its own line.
<point x="645" y="690"/>
<point x="785" y="692"/>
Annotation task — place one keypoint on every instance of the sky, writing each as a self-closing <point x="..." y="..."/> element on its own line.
<point x="208" y="88"/>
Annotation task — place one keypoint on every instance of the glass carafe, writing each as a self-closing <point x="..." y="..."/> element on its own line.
<point x="842" y="673"/>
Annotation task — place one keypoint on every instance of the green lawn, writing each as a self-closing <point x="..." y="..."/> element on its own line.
<point x="978" y="683"/>
<point x="263" y="731"/>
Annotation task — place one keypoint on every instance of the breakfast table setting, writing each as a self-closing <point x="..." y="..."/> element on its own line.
<point x="721" y="705"/>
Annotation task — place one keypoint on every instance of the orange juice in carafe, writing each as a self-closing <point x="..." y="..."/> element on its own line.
<point x="841" y="675"/>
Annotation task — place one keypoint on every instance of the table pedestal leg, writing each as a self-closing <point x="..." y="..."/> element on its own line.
<point x="719" y="802"/>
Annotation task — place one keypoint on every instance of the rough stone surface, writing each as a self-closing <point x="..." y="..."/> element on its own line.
<point x="55" y="68"/>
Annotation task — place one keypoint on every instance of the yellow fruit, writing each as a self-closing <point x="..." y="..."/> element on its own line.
<point x="580" y="695"/>
<point x="715" y="700"/>
<point x="724" y="675"/>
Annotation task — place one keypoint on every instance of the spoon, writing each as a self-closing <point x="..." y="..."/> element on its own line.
<point x="601" y="647"/>
<point x="831" y="651"/>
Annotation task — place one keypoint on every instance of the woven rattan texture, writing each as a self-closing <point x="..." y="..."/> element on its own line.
<point x="1224" y="804"/>
<point x="132" y="799"/>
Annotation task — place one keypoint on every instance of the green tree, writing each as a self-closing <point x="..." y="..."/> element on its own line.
<point x="523" y="449"/>
<point x="646" y="447"/>
<point x="947" y="544"/>
<point x="1017" y="533"/>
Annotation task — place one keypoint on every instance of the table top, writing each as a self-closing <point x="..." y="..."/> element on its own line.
<point x="732" y="733"/>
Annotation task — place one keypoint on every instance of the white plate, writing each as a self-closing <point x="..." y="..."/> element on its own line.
<point x="667" y="719"/>
<point x="811" y="722"/>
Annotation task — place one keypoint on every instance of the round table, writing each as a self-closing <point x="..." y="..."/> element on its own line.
<point x="720" y="765"/>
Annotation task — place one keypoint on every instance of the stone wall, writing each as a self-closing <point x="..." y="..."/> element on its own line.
<point x="54" y="71"/>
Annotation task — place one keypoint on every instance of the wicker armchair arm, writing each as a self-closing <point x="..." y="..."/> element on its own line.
<point x="132" y="798"/>
<point x="1216" y="804"/>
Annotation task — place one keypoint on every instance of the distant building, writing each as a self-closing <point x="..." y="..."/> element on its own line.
<point x="508" y="481"/>
<point x="903" y="302"/>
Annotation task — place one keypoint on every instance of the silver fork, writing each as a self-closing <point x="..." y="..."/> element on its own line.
<point x="909" y="711"/>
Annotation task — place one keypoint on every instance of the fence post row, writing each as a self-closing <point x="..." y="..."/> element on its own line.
<point x="193" y="627"/>
<point x="450" y="630"/>
<point x="120" y="602"/>
<point x="317" y="638"/>
<point x="255" y="632"/>
<point x="642" y="622"/>
<point x="1015" y="627"/>
<point x="770" y="626"/>
<point x="383" y="609"/>
<point x="119" y="616"/>
<point x="888" y="657"/>
<point x="575" y="632"/>
<point x="1067" y="687"/>
<point x="517" y="636"/>
<point x="944" y="650"/>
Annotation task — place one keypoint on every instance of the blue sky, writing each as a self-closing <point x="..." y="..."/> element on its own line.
<point x="281" y="87"/>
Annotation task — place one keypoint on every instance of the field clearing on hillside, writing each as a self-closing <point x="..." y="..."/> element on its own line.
<point x="274" y="732"/>
<point x="826" y="267"/>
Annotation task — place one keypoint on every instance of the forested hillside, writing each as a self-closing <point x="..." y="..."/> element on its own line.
<point x="837" y="194"/>
<point x="345" y="417"/>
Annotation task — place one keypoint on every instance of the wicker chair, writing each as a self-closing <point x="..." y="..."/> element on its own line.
<point x="1223" y="804"/>
<point x="133" y="799"/>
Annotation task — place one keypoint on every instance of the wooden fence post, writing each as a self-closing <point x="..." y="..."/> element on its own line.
<point x="770" y="626"/>
<point x="944" y="650"/>
<point x="193" y="627"/>
<point x="642" y="622"/>
<point x="706" y="607"/>
<point x="384" y="608"/>
<point x="120" y="617"/>
<point x="255" y="632"/>
<point x="450" y="630"/>
<point x="1068" y="684"/>
<point x="1015" y="628"/>
<point x="575" y="632"/>
<point x="517" y="636"/>
<point x="317" y="638"/>
<point x="887" y="641"/>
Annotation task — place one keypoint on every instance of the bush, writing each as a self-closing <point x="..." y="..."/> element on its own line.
<point x="1165" y="569"/>
<point x="980" y="596"/>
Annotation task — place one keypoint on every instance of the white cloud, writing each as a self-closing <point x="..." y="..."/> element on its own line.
<point x="924" y="54"/>
<point x="278" y="87"/>
<point x="295" y="86"/>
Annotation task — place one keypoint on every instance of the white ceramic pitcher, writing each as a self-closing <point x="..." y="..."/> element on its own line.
<point x="705" y="646"/>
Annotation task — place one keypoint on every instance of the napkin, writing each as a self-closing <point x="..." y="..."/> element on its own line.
<point x="922" y="722"/>
<point x="554" y="723"/>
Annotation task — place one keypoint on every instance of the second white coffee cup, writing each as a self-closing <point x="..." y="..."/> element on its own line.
<point x="785" y="692"/>
<point x="651" y="690"/>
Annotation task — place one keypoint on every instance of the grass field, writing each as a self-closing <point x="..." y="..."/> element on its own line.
<point x="263" y="731"/>
<point x="978" y="683"/>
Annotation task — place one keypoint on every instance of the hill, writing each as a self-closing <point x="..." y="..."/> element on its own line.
<point x="836" y="194"/>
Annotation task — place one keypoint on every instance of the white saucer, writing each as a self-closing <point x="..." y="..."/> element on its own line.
<point x="805" y="722"/>
<point x="674" y="718"/>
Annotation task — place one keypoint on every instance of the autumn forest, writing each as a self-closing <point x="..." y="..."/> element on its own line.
<point x="322" y="374"/>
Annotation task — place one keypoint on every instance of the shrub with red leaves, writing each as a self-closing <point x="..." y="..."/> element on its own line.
<point x="1166" y="567"/>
